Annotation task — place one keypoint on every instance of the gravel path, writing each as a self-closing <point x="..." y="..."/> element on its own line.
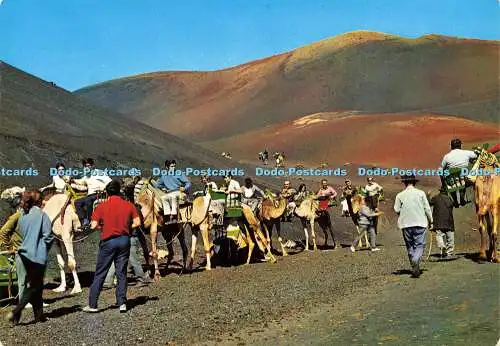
<point x="267" y="303"/>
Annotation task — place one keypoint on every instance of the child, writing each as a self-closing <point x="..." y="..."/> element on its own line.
<point x="366" y="223"/>
<point x="442" y="214"/>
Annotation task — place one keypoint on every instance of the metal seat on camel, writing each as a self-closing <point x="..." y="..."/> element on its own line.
<point x="455" y="182"/>
<point x="8" y="275"/>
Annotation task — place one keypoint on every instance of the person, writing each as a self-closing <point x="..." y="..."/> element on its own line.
<point x="134" y="261"/>
<point x="36" y="229"/>
<point x="251" y="194"/>
<point x="209" y="184"/>
<point x="232" y="190"/>
<point x="444" y="226"/>
<point x="96" y="181"/>
<point x="114" y="218"/>
<point x="59" y="180"/>
<point x="348" y="192"/>
<point x="415" y="216"/>
<point x="373" y="190"/>
<point x="494" y="149"/>
<point x="326" y="191"/>
<point x="457" y="158"/>
<point x="266" y="156"/>
<point x="366" y="224"/>
<point x="11" y="239"/>
<point x="326" y="194"/>
<point x="175" y="184"/>
<point x="288" y="193"/>
<point x="301" y="194"/>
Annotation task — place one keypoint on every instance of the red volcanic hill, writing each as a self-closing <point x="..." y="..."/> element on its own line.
<point x="386" y="140"/>
<point x="363" y="71"/>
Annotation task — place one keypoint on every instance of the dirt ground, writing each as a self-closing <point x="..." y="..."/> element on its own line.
<point x="331" y="297"/>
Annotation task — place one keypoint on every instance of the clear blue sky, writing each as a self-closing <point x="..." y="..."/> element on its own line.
<point x="80" y="42"/>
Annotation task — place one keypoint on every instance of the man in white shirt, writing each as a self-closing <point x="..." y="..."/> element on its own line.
<point x="233" y="190"/>
<point x="457" y="158"/>
<point x="415" y="216"/>
<point x="58" y="181"/>
<point x="96" y="182"/>
<point x="373" y="190"/>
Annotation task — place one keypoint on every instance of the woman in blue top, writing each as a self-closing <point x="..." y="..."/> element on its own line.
<point x="36" y="229"/>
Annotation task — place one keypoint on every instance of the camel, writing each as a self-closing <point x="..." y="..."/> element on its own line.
<point x="64" y="223"/>
<point x="195" y="214"/>
<point x="263" y="158"/>
<point x="270" y="213"/>
<point x="280" y="159"/>
<point x="254" y="227"/>
<point x="487" y="199"/>
<point x="307" y="213"/>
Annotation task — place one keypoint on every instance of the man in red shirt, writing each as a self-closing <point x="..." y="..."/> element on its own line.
<point x="495" y="149"/>
<point x="114" y="218"/>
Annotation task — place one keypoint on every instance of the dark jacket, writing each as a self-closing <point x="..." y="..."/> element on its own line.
<point x="442" y="212"/>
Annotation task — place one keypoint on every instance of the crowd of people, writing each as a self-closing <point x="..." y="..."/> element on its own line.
<point x="29" y="231"/>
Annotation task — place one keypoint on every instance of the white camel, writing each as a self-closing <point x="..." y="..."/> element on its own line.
<point x="64" y="223"/>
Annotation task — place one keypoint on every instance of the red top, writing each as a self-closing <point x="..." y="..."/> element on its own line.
<point x="495" y="149"/>
<point x="114" y="217"/>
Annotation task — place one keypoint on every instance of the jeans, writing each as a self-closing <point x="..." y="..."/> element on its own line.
<point x="84" y="207"/>
<point x="111" y="250"/>
<point x="34" y="290"/>
<point x="21" y="276"/>
<point x="371" y="234"/>
<point x="134" y="262"/>
<point x="415" y="243"/>
<point x="445" y="241"/>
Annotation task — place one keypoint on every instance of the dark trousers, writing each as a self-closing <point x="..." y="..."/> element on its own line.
<point x="415" y="243"/>
<point x="111" y="250"/>
<point x="34" y="290"/>
<point x="84" y="207"/>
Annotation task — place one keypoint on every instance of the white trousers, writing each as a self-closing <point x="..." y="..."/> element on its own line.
<point x="171" y="202"/>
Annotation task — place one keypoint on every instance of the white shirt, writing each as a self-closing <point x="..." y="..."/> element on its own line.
<point x="59" y="183"/>
<point x="413" y="208"/>
<point x="458" y="158"/>
<point x="97" y="181"/>
<point x="373" y="189"/>
<point x="233" y="186"/>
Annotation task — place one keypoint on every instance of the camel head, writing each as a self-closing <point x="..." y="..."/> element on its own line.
<point x="13" y="195"/>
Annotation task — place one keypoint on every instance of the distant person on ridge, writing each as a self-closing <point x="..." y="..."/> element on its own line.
<point x="457" y="158"/>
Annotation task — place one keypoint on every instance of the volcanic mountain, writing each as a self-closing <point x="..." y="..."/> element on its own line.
<point x="361" y="71"/>
<point x="362" y="139"/>
<point x="41" y="124"/>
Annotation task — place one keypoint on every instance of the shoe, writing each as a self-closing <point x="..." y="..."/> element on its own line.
<point x="89" y="309"/>
<point x="123" y="308"/>
<point x="108" y="286"/>
<point x="353" y="249"/>
<point x="416" y="271"/>
<point x="29" y="306"/>
<point x="375" y="249"/>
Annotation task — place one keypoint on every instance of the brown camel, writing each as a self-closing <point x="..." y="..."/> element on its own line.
<point x="195" y="214"/>
<point x="487" y="198"/>
<point x="270" y="213"/>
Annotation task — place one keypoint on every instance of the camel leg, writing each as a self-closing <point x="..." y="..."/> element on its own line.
<point x="366" y="240"/>
<point x="313" y="233"/>
<point x="194" y="240"/>
<point x="493" y="236"/>
<point x="60" y="261"/>
<point x="268" y="234"/>
<point x="278" y="229"/>
<point x="360" y="241"/>
<point x="68" y="244"/>
<point x="262" y="243"/>
<point x="184" y="247"/>
<point x="205" y="230"/>
<point x="304" y="225"/>
<point x="482" y="249"/>
<point x="251" y="244"/>
<point x="154" y="249"/>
